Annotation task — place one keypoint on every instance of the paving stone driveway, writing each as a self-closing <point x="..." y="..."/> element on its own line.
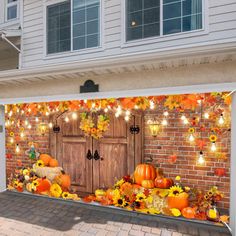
<point x="28" y="215"/>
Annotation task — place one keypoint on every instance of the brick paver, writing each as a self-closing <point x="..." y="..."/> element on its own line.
<point x="22" y="215"/>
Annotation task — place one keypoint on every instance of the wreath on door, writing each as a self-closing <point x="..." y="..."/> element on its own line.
<point x="94" y="128"/>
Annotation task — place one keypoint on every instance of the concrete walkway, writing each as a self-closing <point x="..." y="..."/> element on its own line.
<point x="27" y="215"/>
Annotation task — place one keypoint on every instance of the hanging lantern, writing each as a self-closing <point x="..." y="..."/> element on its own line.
<point x="17" y="148"/>
<point x="201" y="159"/>
<point x="154" y="127"/>
<point x="221" y="120"/>
<point x="43" y="127"/>
<point x="213" y="146"/>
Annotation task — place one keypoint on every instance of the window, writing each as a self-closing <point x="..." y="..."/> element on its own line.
<point x="148" y="18"/>
<point x="86" y="24"/>
<point x="11" y="9"/>
<point x="59" y="28"/>
<point x="73" y="27"/>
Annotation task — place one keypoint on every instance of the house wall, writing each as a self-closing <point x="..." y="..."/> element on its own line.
<point x="173" y="140"/>
<point x="220" y="28"/>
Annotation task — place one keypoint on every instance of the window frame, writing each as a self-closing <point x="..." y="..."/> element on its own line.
<point x="71" y="52"/>
<point x="11" y="4"/>
<point x="185" y="34"/>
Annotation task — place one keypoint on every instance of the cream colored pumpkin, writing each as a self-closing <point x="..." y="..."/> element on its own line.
<point x="49" y="172"/>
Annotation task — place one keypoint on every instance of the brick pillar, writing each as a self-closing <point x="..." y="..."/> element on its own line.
<point x="233" y="166"/>
<point x="2" y="150"/>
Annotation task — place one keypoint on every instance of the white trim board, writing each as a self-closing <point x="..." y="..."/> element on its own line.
<point x="202" y="88"/>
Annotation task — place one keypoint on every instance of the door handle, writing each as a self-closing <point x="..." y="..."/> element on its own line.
<point x="89" y="155"/>
<point x="96" y="156"/>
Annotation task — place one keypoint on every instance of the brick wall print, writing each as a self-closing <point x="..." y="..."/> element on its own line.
<point x="100" y="138"/>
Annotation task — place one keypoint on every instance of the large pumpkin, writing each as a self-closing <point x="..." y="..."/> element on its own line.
<point x="44" y="186"/>
<point x="53" y="163"/>
<point x="161" y="182"/>
<point x="63" y="180"/>
<point x="45" y="158"/>
<point x="148" y="184"/>
<point x="188" y="212"/>
<point x="179" y="202"/>
<point x="144" y="172"/>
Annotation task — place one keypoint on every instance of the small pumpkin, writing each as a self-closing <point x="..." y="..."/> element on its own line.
<point x="55" y="190"/>
<point x="29" y="187"/>
<point x="144" y="172"/>
<point x="53" y="163"/>
<point x="148" y="184"/>
<point x="100" y="194"/>
<point x="43" y="186"/>
<point x="63" y="180"/>
<point x="180" y="202"/>
<point x="45" y="158"/>
<point x="213" y="214"/>
<point x="188" y="212"/>
<point x="161" y="182"/>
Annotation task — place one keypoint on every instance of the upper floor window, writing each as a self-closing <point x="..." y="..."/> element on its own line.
<point x="11" y="9"/>
<point x="148" y="18"/>
<point x="73" y="25"/>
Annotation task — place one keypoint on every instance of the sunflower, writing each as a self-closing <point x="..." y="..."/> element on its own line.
<point x="16" y="184"/>
<point x="213" y="138"/>
<point x="40" y="163"/>
<point x="66" y="195"/>
<point x="55" y="190"/>
<point x="191" y="130"/>
<point x="120" y="202"/>
<point x="119" y="183"/>
<point x="175" y="191"/>
<point x="11" y="134"/>
<point x="140" y="197"/>
<point x="25" y="172"/>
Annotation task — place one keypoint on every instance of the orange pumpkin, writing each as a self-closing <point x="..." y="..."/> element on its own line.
<point x="45" y="158"/>
<point x="179" y="202"/>
<point x="63" y="180"/>
<point x="53" y="163"/>
<point x="44" y="185"/>
<point x="148" y="184"/>
<point x="161" y="182"/>
<point x="188" y="212"/>
<point x="144" y="172"/>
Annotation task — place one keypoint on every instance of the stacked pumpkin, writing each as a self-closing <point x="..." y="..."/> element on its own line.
<point x="52" y="180"/>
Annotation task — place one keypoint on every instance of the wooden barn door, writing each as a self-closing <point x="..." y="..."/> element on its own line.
<point x="113" y="156"/>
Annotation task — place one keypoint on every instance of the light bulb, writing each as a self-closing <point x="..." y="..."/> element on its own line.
<point x="191" y="138"/>
<point x="11" y="140"/>
<point x="126" y="118"/>
<point x="17" y="148"/>
<point x="93" y="105"/>
<point x="29" y="110"/>
<point x="201" y="159"/>
<point x="26" y="122"/>
<point x="127" y="112"/>
<point x="50" y="125"/>
<point x="185" y="121"/>
<point x="213" y="146"/>
<point x="47" y="113"/>
<point x="183" y="117"/>
<point x="74" y="116"/>
<point x="152" y="105"/>
<point x="221" y="120"/>
<point x="117" y="114"/>
<point x="136" y="107"/>
<point x="67" y="119"/>
<point x="166" y="113"/>
<point x="164" y="122"/>
<point x="106" y="110"/>
<point x="206" y="115"/>
<point x="37" y="119"/>
<point x="22" y="135"/>
<point x="22" y="112"/>
<point x="10" y="113"/>
<point x="29" y="126"/>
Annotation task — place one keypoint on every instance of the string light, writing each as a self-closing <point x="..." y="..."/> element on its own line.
<point x="47" y="113"/>
<point x="26" y="122"/>
<point x="37" y="119"/>
<point x="11" y="140"/>
<point x="136" y="107"/>
<point x="126" y="118"/>
<point x="7" y="123"/>
<point x="22" y="135"/>
<point x="201" y="159"/>
<point x="206" y="115"/>
<point x="221" y="120"/>
<point x="50" y="125"/>
<point x="74" y="116"/>
<point x="67" y="119"/>
<point x="152" y="105"/>
<point x="183" y="117"/>
<point x="29" y="126"/>
<point x="10" y="113"/>
<point x="213" y="146"/>
<point x="164" y="122"/>
<point x="106" y="110"/>
<point x="17" y="148"/>
<point x="166" y="113"/>
<point x="185" y="121"/>
<point x="191" y="138"/>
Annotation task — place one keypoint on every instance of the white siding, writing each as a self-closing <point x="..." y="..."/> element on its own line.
<point x="222" y="27"/>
